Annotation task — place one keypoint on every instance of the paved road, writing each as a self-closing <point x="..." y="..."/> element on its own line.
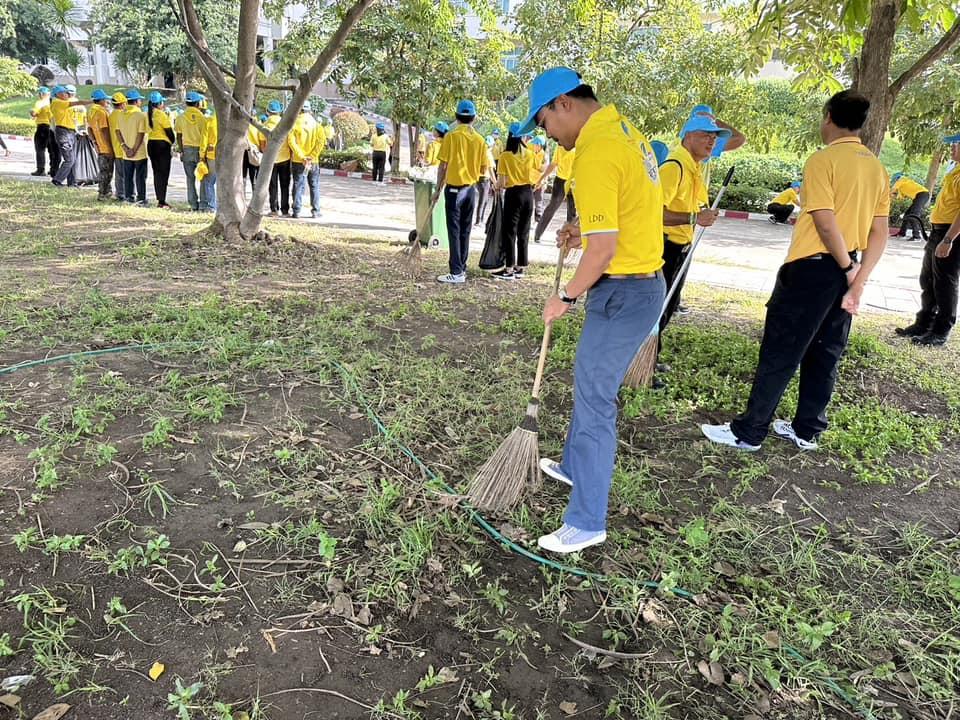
<point x="735" y="253"/>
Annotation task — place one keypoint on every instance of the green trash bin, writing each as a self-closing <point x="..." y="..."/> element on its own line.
<point x="436" y="232"/>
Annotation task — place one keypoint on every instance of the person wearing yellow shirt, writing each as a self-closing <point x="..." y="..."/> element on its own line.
<point x="486" y="187"/>
<point x="98" y="122"/>
<point x="513" y="170"/>
<point x="538" y="148"/>
<point x="65" y="131"/>
<point x="620" y="228"/>
<point x="497" y="145"/>
<point x="380" y="143"/>
<point x="280" y="178"/>
<point x="940" y="272"/>
<point x="911" y="226"/>
<point x="421" y="147"/>
<point x="208" y="154"/>
<point x="846" y="204"/>
<point x="783" y="205"/>
<point x="119" y="101"/>
<point x="43" y="142"/>
<point x="433" y="149"/>
<point x="160" y="141"/>
<point x="300" y="141"/>
<point x="80" y="118"/>
<point x="562" y="162"/>
<point x="132" y="131"/>
<point x="190" y="127"/>
<point x="463" y="159"/>
<point x="252" y="155"/>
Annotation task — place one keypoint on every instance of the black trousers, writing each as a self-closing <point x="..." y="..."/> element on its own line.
<point x="805" y="327"/>
<point x="250" y="171"/>
<point x="673" y="257"/>
<point x="379" y="164"/>
<point x="515" y="228"/>
<point x="42" y="142"/>
<point x="913" y="217"/>
<point x="53" y="147"/>
<point x="280" y="182"/>
<point x="159" y="152"/>
<point x="938" y="285"/>
<point x="483" y="192"/>
<point x="556" y="199"/>
<point x="781" y="213"/>
<point x="105" y="165"/>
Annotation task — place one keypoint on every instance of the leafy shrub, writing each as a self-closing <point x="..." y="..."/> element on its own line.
<point x="10" y="125"/>
<point x="351" y="126"/>
<point x="755" y="181"/>
<point x="748" y="198"/>
<point x="333" y="158"/>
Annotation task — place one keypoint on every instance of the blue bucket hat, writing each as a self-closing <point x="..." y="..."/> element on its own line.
<point x="156" y="98"/>
<point x="133" y="94"/>
<point x="274" y="107"/>
<point x="514" y="130"/>
<point x="194" y="97"/>
<point x="895" y="177"/>
<point x="545" y="88"/>
<point x="98" y="94"/>
<point x="951" y="139"/>
<point x="43" y="90"/>
<point x="441" y="127"/>
<point x="703" y="123"/>
<point x="661" y="151"/>
<point x="466" y="107"/>
<point x="381" y="126"/>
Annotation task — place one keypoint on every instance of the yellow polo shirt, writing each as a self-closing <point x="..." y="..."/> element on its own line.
<point x="564" y="160"/>
<point x="317" y="142"/>
<point x="161" y="123"/>
<point x="79" y="116"/>
<point x="300" y="139"/>
<point x="131" y="122"/>
<point x="41" y="111"/>
<point x="617" y="189"/>
<point x="684" y="191"/>
<point x="536" y="163"/>
<point x="787" y="197"/>
<point x="433" y="152"/>
<point x="98" y="121"/>
<point x="62" y="114"/>
<point x="847" y="178"/>
<point x="381" y="143"/>
<point x="211" y="132"/>
<point x="465" y="153"/>
<point x="421" y="143"/>
<point x="283" y="155"/>
<point x="516" y="168"/>
<point x="907" y="188"/>
<point x="112" y="125"/>
<point x="947" y="207"/>
<point x="191" y="125"/>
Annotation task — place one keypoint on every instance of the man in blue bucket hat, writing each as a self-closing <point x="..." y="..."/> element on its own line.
<point x="616" y="189"/>
<point x="463" y="159"/>
<point x="64" y="121"/>
<point x="736" y="138"/>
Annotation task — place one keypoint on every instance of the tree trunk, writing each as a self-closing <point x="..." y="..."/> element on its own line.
<point x="231" y="204"/>
<point x="413" y="136"/>
<point x="934" y="170"/>
<point x="873" y="77"/>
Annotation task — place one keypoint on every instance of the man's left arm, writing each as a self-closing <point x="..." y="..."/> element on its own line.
<point x="737" y="138"/>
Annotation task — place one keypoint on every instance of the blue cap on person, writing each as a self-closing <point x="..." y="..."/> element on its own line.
<point x="466" y="107"/>
<point x="496" y="132"/>
<point x="263" y="118"/>
<point x="489" y="140"/>
<point x="381" y="127"/>
<point x="795" y="185"/>
<point x="951" y="139"/>
<point x="98" y="95"/>
<point x="274" y="107"/>
<point x="661" y="151"/>
<point x="702" y="110"/>
<point x="72" y="89"/>
<point x="43" y="90"/>
<point x="514" y="130"/>
<point x="704" y="123"/>
<point x="133" y="95"/>
<point x="193" y="97"/>
<point x="441" y="127"/>
<point x="156" y="98"/>
<point x="545" y="88"/>
<point x="57" y="90"/>
<point x="895" y="177"/>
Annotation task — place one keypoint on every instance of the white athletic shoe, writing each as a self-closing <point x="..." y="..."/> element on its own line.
<point x="723" y="435"/>
<point x="785" y="430"/>
<point x="569" y="539"/>
<point x="452" y="279"/>
<point x="552" y="469"/>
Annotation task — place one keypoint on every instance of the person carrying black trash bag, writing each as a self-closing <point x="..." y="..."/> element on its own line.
<point x="515" y="167"/>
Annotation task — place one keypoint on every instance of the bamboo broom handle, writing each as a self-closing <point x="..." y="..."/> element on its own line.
<point x="545" y="343"/>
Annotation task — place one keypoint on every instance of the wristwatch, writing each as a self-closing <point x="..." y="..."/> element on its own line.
<point x="566" y="298"/>
<point x="849" y="267"/>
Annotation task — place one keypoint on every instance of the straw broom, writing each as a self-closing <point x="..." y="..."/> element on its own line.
<point x="409" y="259"/>
<point x="514" y="466"/>
<point x="640" y="372"/>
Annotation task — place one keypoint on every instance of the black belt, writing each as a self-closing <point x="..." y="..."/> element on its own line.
<point x="829" y="256"/>
<point x="630" y="276"/>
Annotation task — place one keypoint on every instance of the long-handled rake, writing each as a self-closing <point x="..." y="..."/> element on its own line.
<point x="410" y="259"/>
<point x="514" y="466"/>
<point x="640" y="372"/>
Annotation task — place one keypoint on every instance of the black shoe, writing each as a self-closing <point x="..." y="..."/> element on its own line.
<point x="38" y="173"/>
<point x="931" y="338"/>
<point x="658" y="383"/>
<point x="913" y="330"/>
<point x="502" y="275"/>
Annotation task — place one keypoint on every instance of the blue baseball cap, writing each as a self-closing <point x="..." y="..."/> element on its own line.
<point x="263" y="118"/>
<point x="58" y="89"/>
<point x="441" y="127"/>
<point x="895" y="177"/>
<point x="795" y="185"/>
<point x="514" y="129"/>
<point x="381" y="126"/>
<point x="72" y="89"/>
<point x="703" y="123"/>
<point x="274" y="107"/>
<point x="951" y="139"/>
<point x="133" y="95"/>
<point x="545" y="88"/>
<point x="43" y="90"/>
<point x="538" y="140"/>
<point x="466" y="107"/>
<point x="496" y="132"/>
<point x="156" y="98"/>
<point x="98" y="94"/>
<point x="194" y="97"/>
<point x="489" y="140"/>
<point x="661" y="151"/>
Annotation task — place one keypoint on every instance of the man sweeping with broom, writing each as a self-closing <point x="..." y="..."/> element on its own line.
<point x="616" y="188"/>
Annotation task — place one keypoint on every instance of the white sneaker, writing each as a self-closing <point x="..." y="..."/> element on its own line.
<point x="452" y="279"/>
<point x="785" y="430"/>
<point x="569" y="539"/>
<point x="723" y="435"/>
<point x="552" y="469"/>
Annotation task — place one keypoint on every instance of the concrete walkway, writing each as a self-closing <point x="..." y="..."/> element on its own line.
<point x="740" y="254"/>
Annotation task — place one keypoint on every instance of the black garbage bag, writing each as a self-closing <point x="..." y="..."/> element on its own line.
<point x="492" y="256"/>
<point x="87" y="168"/>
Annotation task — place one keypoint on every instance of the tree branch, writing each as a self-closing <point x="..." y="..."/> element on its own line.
<point x="941" y="48"/>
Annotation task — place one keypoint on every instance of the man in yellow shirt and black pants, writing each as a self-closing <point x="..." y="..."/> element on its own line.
<point x="132" y="131"/>
<point x="846" y="204"/>
<point x="617" y="189"/>
<point x="911" y="227"/>
<point x="463" y="159"/>
<point x="280" y="177"/>
<point x="190" y="128"/>
<point x="64" y="121"/>
<point x="783" y="205"/>
<point x="43" y="142"/>
<point x="941" y="262"/>
<point x="98" y="120"/>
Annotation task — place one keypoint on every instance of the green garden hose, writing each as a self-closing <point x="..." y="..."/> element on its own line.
<point x="354" y="386"/>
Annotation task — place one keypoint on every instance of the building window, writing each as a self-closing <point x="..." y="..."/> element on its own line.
<point x="511" y="60"/>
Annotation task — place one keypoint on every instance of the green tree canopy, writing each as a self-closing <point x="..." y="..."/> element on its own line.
<point x="13" y="81"/>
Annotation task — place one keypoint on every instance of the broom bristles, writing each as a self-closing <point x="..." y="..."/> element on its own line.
<point x="410" y="260"/>
<point x="640" y="372"/>
<point x="513" y="468"/>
